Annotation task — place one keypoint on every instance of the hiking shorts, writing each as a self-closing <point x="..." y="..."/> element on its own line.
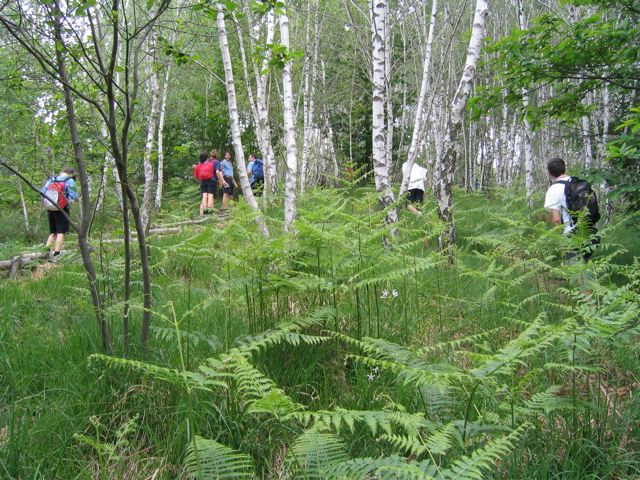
<point x="208" y="186"/>
<point x="57" y="222"/>
<point x="229" y="188"/>
<point x="416" y="195"/>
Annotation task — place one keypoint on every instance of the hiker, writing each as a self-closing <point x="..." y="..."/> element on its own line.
<point x="565" y="197"/>
<point x="60" y="193"/>
<point x="205" y="172"/>
<point x="252" y="159"/>
<point x="228" y="182"/>
<point x="257" y="173"/>
<point x="416" y="187"/>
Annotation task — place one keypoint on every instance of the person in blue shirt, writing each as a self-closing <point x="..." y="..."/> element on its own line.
<point x="229" y="183"/>
<point x="58" y="223"/>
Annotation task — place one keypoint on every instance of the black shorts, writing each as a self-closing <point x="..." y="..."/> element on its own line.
<point x="229" y="188"/>
<point x="416" y="195"/>
<point x="208" y="186"/>
<point x="57" y="222"/>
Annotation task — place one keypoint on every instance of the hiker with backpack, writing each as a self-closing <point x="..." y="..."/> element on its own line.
<point x="205" y="172"/>
<point x="256" y="169"/>
<point x="572" y="203"/>
<point x="59" y="192"/>
<point x="228" y="182"/>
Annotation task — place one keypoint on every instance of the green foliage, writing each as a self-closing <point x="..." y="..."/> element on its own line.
<point x="208" y="459"/>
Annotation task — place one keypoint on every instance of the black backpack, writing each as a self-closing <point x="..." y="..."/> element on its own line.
<point x="580" y="196"/>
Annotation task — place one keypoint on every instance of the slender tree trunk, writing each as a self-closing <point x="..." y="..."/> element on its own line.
<point x="163" y="109"/>
<point x="417" y="128"/>
<point x="449" y="157"/>
<point x="25" y="213"/>
<point x="78" y="152"/>
<point x="235" y="122"/>
<point x="262" y="103"/>
<point x="526" y="130"/>
<point x="289" y="130"/>
<point x="151" y="131"/>
<point x="378" y="12"/>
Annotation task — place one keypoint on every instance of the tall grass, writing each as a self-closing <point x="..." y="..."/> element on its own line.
<point x="325" y="354"/>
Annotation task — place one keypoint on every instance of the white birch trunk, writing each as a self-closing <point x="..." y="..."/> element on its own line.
<point x="151" y="131"/>
<point x="235" y="122"/>
<point x="417" y="128"/>
<point x="23" y="204"/>
<point x="387" y="89"/>
<point x="526" y="130"/>
<point x="262" y="106"/>
<point x="306" y="137"/>
<point x="449" y="157"/>
<point x="163" y="109"/>
<point x="289" y="130"/>
<point x="586" y="139"/>
<point x="378" y="11"/>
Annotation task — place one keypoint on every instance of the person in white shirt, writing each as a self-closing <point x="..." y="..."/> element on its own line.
<point x="555" y="200"/>
<point x="416" y="187"/>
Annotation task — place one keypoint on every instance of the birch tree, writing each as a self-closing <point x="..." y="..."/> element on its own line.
<point x="526" y="129"/>
<point x="234" y="120"/>
<point x="447" y="161"/>
<point x="420" y="117"/>
<point x="151" y="130"/>
<point x="378" y="12"/>
<point x="291" y="172"/>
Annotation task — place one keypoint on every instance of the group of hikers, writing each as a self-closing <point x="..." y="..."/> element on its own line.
<point x="570" y="200"/>
<point x="211" y="172"/>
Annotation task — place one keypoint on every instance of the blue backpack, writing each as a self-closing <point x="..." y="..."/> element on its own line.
<point x="257" y="170"/>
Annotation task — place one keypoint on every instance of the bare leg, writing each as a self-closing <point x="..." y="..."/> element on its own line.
<point x="413" y="209"/>
<point x="225" y="201"/>
<point x="203" y="204"/>
<point x="59" y="242"/>
<point x="51" y="240"/>
<point x="211" y="201"/>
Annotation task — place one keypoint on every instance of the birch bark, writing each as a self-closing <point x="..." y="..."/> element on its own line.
<point x="526" y="130"/>
<point x="289" y="130"/>
<point x="151" y="131"/>
<point x="163" y="108"/>
<point x="449" y="157"/>
<point x="420" y="119"/>
<point x="378" y="11"/>
<point x="235" y="122"/>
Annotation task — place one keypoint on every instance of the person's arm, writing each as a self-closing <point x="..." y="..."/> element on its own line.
<point x="70" y="186"/>
<point x="220" y="178"/>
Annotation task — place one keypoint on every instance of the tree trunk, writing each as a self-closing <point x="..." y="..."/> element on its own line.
<point x="378" y="12"/>
<point x="151" y="131"/>
<point x="417" y="128"/>
<point x="526" y="130"/>
<point x="78" y="153"/>
<point x="25" y="213"/>
<point x="289" y="130"/>
<point x="449" y="157"/>
<point x="235" y="122"/>
<point x="163" y="108"/>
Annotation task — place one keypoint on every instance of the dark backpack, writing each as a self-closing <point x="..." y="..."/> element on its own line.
<point x="204" y="171"/>
<point x="580" y="196"/>
<point x="55" y="199"/>
<point x="258" y="169"/>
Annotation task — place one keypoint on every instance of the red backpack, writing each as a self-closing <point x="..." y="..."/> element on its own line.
<point x="55" y="195"/>
<point x="204" y="171"/>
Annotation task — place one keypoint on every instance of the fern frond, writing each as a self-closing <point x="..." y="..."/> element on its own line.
<point x="170" y="375"/>
<point x="483" y="459"/>
<point x="392" y="467"/>
<point x="314" y="452"/>
<point x="376" y="420"/>
<point x="194" y="338"/>
<point x="208" y="459"/>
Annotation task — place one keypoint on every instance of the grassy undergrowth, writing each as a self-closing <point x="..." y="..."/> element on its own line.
<point x="326" y="355"/>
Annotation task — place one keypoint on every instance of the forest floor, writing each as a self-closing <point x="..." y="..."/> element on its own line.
<point x="327" y="355"/>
